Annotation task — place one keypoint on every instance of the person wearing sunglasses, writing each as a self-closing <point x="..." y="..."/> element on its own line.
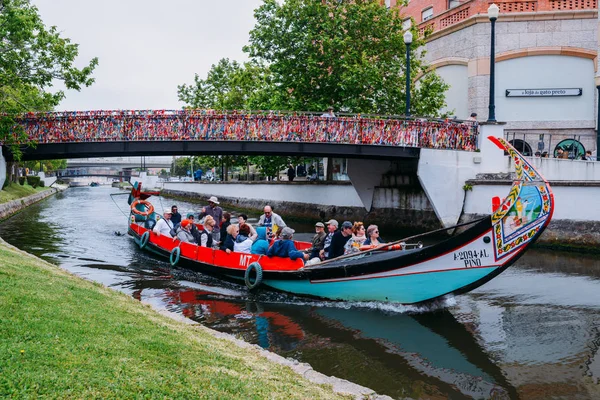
<point x="273" y="222"/>
<point x="373" y="236"/>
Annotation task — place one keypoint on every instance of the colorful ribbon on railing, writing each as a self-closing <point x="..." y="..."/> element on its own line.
<point x="198" y="125"/>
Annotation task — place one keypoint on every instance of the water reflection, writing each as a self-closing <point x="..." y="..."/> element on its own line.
<point x="533" y="332"/>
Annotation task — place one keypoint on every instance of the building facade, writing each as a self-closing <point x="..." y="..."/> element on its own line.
<point x="545" y="71"/>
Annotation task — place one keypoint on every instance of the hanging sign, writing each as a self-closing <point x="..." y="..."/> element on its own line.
<point x="543" y="92"/>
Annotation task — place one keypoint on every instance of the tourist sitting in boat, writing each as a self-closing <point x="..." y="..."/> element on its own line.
<point x="150" y="221"/>
<point x="357" y="239"/>
<point x="175" y="216"/>
<point x="261" y="245"/>
<point x="232" y="231"/>
<point x="223" y="225"/>
<point x="243" y="243"/>
<point x="205" y="236"/>
<point x="285" y="247"/>
<point x="339" y="239"/>
<point x="243" y="220"/>
<point x="184" y="232"/>
<point x="164" y="225"/>
<point x="373" y="238"/>
<point x="271" y="220"/>
<point x="318" y="241"/>
<point x="332" y="226"/>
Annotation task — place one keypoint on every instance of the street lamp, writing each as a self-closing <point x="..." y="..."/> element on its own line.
<point x="408" y="38"/>
<point x="493" y="12"/>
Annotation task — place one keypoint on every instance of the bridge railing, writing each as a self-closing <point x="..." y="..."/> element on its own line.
<point x="207" y="125"/>
<point x="73" y="172"/>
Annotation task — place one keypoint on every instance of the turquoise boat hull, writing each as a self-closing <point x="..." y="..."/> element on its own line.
<point x="406" y="289"/>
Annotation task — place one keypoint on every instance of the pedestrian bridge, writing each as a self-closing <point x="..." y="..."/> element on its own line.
<point x="84" y="134"/>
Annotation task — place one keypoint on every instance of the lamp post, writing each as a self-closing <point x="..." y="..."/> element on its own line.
<point x="493" y="12"/>
<point x="408" y="38"/>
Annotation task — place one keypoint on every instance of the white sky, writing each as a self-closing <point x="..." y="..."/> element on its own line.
<point x="147" y="47"/>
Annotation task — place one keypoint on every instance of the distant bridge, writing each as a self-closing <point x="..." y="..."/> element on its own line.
<point x="92" y="172"/>
<point x="192" y="132"/>
<point x="122" y="162"/>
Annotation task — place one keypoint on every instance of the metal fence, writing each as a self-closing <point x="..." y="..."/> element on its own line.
<point x="548" y="144"/>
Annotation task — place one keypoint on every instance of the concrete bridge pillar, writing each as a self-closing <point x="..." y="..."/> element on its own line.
<point x="2" y="169"/>
<point x="443" y="173"/>
<point x="365" y="175"/>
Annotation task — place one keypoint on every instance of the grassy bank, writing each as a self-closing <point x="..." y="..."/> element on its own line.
<point x="64" y="337"/>
<point x="15" y="191"/>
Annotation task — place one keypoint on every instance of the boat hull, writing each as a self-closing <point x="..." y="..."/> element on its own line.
<point x="405" y="289"/>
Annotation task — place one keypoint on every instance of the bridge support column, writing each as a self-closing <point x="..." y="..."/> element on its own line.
<point x="443" y="173"/>
<point x="2" y="169"/>
<point x="365" y="175"/>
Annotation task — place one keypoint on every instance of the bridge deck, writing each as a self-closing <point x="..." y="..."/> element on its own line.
<point x="191" y="132"/>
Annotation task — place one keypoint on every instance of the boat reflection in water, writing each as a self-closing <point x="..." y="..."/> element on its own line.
<point x="420" y="356"/>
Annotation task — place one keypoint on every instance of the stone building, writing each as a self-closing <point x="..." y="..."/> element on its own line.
<point x="547" y="45"/>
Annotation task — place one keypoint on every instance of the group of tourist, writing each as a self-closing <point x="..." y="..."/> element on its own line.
<point x="271" y="237"/>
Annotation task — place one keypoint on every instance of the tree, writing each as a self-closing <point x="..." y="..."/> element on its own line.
<point x="347" y="54"/>
<point x="32" y="57"/>
<point x="230" y="86"/>
<point x="180" y="166"/>
<point x="46" y="165"/>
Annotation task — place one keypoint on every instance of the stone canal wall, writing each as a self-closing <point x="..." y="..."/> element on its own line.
<point x="14" y="206"/>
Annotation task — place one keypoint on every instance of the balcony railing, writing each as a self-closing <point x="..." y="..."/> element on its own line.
<point x="471" y="8"/>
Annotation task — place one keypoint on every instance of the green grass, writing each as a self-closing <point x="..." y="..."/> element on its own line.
<point x="64" y="337"/>
<point x="15" y="191"/>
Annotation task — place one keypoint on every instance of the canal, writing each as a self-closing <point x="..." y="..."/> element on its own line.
<point x="532" y="333"/>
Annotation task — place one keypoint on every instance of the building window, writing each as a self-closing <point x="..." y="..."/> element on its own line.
<point x="453" y="3"/>
<point x="406" y="24"/>
<point x="427" y="14"/>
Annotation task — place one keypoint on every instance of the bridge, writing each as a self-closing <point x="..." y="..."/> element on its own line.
<point x="89" y="172"/>
<point x="122" y="162"/>
<point x="85" y="134"/>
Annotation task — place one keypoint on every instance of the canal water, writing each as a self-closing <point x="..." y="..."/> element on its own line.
<point x="531" y="333"/>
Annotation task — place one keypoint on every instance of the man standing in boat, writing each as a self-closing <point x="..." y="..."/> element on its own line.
<point x="164" y="225"/>
<point x="270" y="220"/>
<point x="216" y="212"/>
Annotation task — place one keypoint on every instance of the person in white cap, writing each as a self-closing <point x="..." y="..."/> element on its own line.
<point x="164" y="225"/>
<point x="332" y="226"/>
<point x="216" y="212"/>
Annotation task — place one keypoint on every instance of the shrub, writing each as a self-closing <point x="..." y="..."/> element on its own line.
<point x="34" y="181"/>
<point x="41" y="184"/>
<point x="22" y="180"/>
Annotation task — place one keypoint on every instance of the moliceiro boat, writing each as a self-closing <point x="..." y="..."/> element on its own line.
<point x="402" y="274"/>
